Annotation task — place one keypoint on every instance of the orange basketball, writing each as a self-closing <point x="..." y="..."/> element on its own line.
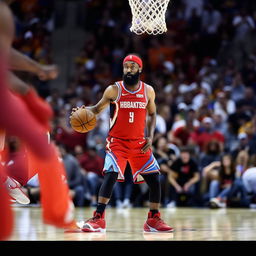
<point x="83" y="120"/>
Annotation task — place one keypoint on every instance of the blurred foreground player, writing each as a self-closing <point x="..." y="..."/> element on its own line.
<point x="39" y="108"/>
<point x="20" y="117"/>
<point x="131" y="103"/>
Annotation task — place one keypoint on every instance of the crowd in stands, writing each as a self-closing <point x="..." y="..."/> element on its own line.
<point x="204" y="73"/>
<point x="34" y="25"/>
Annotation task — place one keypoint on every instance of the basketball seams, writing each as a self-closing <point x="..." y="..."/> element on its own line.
<point x="77" y="115"/>
<point x="79" y="123"/>
<point x="84" y="123"/>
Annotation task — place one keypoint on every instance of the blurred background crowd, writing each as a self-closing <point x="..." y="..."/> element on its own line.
<point x="203" y="72"/>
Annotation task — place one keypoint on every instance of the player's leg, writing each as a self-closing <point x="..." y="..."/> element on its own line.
<point x="154" y="185"/>
<point x="112" y="168"/>
<point x="97" y="223"/>
<point x="6" y="214"/>
<point x="154" y="223"/>
<point x="58" y="208"/>
<point x="106" y="190"/>
<point x="145" y="165"/>
<point x="13" y="186"/>
<point x="2" y="141"/>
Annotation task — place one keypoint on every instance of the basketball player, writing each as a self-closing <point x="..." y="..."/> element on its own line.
<point x="41" y="110"/>
<point x="18" y="61"/>
<point x="18" y="119"/>
<point x="131" y="103"/>
<point x="43" y="113"/>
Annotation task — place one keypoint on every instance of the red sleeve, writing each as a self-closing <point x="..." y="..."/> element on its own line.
<point x="38" y="107"/>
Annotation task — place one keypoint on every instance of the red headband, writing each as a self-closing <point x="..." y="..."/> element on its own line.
<point x="133" y="58"/>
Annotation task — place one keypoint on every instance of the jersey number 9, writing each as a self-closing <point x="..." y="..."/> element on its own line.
<point x="131" y="119"/>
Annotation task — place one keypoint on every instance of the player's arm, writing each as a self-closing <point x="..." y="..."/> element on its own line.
<point x="6" y="28"/>
<point x="19" y="61"/>
<point x="151" y="123"/>
<point x="17" y="85"/>
<point x="41" y="110"/>
<point x="110" y="94"/>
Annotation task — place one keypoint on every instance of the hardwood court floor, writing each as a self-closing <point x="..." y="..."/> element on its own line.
<point x="200" y="224"/>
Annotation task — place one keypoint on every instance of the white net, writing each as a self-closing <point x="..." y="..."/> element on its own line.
<point x="148" y="16"/>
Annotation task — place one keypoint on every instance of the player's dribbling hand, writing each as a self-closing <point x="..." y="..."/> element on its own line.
<point x="73" y="111"/>
<point x="76" y="108"/>
<point x="147" y="146"/>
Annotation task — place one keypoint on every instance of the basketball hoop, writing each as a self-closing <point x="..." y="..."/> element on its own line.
<point x="148" y="16"/>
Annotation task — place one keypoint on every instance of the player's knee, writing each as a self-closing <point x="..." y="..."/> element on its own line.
<point x="108" y="184"/>
<point x="152" y="179"/>
<point x="111" y="176"/>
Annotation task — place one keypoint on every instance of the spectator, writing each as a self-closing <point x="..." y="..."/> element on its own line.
<point x="211" y="21"/>
<point x="238" y="88"/>
<point x="220" y="187"/>
<point x="210" y="157"/>
<point x="92" y="165"/>
<point x="248" y="102"/>
<point x="162" y="119"/>
<point x="163" y="152"/>
<point x="180" y="136"/>
<point x="190" y="6"/>
<point x="243" y="24"/>
<point x="249" y="182"/>
<point x="220" y="124"/>
<point x="238" y="195"/>
<point x="224" y="104"/>
<point x="211" y="154"/>
<point x="75" y="177"/>
<point x="183" y="177"/>
<point x="185" y="113"/>
<point x="165" y="156"/>
<point x="206" y="133"/>
<point x="248" y="73"/>
<point x="242" y="145"/>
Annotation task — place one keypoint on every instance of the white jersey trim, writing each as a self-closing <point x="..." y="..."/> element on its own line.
<point x="131" y="91"/>
<point x="119" y="88"/>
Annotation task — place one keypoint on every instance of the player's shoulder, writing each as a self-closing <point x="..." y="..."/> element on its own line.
<point x="149" y="89"/>
<point x="111" y="91"/>
<point x="4" y="9"/>
<point x="112" y="87"/>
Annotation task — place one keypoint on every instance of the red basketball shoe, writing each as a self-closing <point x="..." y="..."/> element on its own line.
<point x="156" y="224"/>
<point x="96" y="224"/>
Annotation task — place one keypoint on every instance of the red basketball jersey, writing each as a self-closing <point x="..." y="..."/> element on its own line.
<point x="128" y="113"/>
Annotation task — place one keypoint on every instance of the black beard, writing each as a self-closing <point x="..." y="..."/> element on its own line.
<point x="130" y="79"/>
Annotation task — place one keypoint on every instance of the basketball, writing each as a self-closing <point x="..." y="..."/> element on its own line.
<point x="83" y="120"/>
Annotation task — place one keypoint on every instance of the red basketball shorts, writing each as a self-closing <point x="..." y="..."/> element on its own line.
<point x="119" y="152"/>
